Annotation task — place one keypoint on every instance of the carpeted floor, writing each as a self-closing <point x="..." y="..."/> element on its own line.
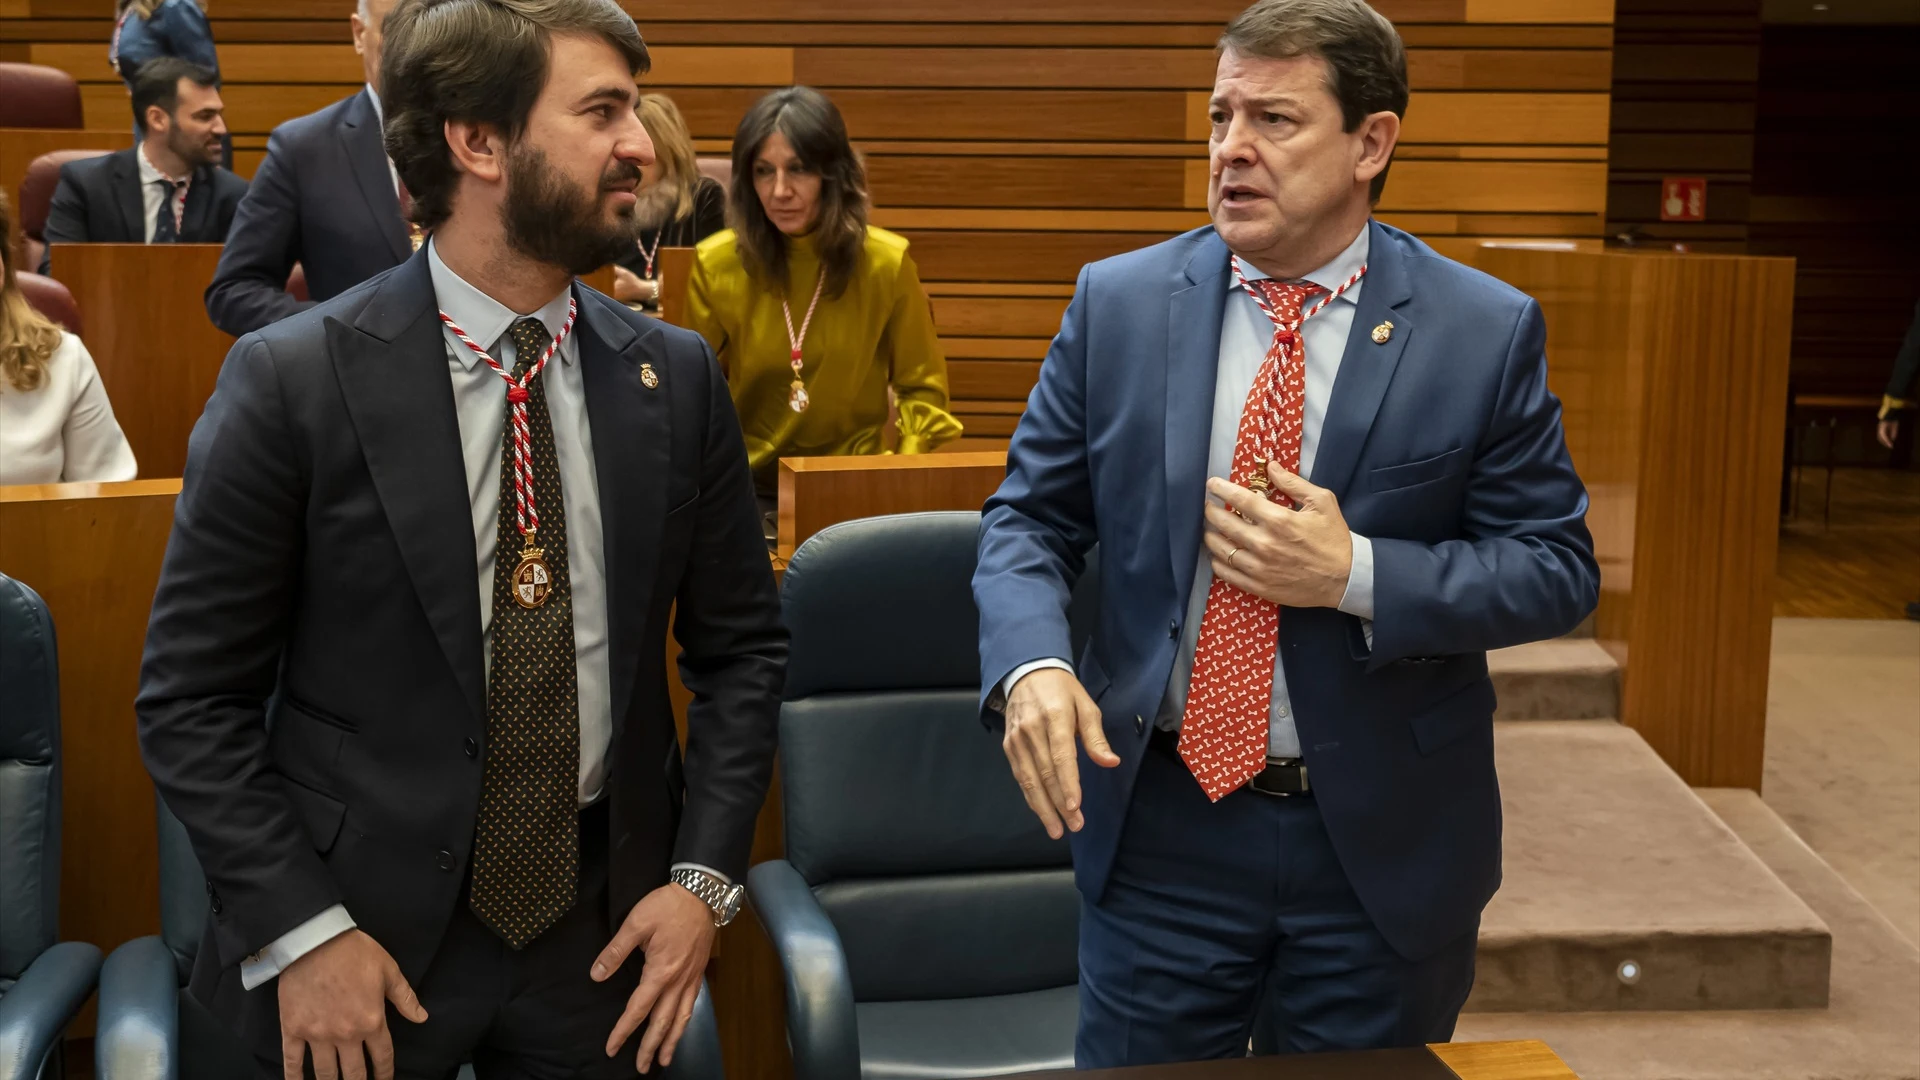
<point x="1843" y="752"/>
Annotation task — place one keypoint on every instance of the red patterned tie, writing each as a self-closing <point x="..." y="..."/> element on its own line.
<point x="1223" y="736"/>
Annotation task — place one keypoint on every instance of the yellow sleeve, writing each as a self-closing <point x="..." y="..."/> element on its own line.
<point x="918" y="367"/>
<point x="701" y="317"/>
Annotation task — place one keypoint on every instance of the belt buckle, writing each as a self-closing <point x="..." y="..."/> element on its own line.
<point x="1285" y="763"/>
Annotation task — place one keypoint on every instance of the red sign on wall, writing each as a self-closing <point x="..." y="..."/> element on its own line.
<point x="1683" y="198"/>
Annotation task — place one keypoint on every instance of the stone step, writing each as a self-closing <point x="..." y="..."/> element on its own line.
<point x="1570" y="678"/>
<point x="1623" y="891"/>
<point x="1866" y="1032"/>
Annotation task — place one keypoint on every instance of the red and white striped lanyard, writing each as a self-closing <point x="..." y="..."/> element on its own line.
<point x="797" y="394"/>
<point x="526" y="513"/>
<point x="176" y="194"/>
<point x="113" y="47"/>
<point x="649" y="252"/>
<point x="1287" y="337"/>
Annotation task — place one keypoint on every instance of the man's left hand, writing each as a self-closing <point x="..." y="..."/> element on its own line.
<point x="1296" y="557"/>
<point x="674" y="930"/>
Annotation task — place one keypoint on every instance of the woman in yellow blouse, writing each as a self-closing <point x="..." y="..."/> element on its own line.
<point x="813" y="313"/>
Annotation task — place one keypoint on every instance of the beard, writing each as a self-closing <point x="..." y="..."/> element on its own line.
<point x="195" y="152"/>
<point x="550" y="219"/>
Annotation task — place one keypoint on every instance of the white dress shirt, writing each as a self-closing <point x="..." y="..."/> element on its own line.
<point x="62" y="430"/>
<point x="1245" y="336"/>
<point x="155" y="188"/>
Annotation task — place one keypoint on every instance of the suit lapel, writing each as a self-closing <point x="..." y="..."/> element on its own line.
<point x="130" y="196"/>
<point x="392" y="366"/>
<point x="1366" y="368"/>
<point x="632" y="441"/>
<point x="200" y="199"/>
<point x="1193" y="363"/>
<point x="366" y="155"/>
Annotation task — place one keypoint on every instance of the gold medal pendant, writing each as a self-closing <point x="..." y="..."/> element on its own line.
<point x="532" y="579"/>
<point x="797" y="399"/>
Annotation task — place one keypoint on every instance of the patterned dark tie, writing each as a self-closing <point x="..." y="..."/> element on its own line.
<point x="164" y="230"/>
<point x="526" y="849"/>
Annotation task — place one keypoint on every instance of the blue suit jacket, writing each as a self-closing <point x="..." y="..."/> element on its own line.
<point x="1443" y="446"/>
<point x="323" y="197"/>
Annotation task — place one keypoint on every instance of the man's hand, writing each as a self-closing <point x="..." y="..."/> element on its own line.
<point x="1045" y="710"/>
<point x="1888" y="429"/>
<point x="1297" y="558"/>
<point x="629" y="289"/>
<point x="674" y="930"/>
<point x="333" y="1002"/>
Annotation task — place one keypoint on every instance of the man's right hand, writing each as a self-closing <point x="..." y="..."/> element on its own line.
<point x="1046" y="709"/>
<point x="333" y="1002"/>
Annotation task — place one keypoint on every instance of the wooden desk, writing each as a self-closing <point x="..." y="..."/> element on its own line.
<point x="19" y="146"/>
<point x="1528" y="1060"/>
<point x="93" y="551"/>
<point x="149" y="334"/>
<point x="676" y="266"/>
<point x="1673" y="372"/>
<point x="817" y="492"/>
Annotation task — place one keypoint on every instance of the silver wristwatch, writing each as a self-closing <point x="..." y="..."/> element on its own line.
<point x="723" y="898"/>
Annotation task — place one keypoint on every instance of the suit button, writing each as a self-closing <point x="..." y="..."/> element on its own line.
<point x="1139" y="724"/>
<point x="213" y="902"/>
<point x="444" y="860"/>
<point x="1173" y="630"/>
<point x="472" y="748"/>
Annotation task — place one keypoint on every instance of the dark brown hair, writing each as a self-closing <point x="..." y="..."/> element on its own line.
<point x="478" y="61"/>
<point x="1366" y="61"/>
<point x="158" y="83"/>
<point x="818" y="135"/>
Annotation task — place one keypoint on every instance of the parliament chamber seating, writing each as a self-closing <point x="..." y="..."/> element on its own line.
<point x="43" y="981"/>
<point x="50" y="298"/>
<point x="37" y="96"/>
<point x="925" y="923"/>
<point x="717" y="168"/>
<point x="36" y="198"/>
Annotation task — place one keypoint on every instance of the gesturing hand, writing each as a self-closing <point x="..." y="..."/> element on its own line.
<point x="674" y="930"/>
<point x="1298" y="558"/>
<point x="1044" y="712"/>
<point x="333" y="1002"/>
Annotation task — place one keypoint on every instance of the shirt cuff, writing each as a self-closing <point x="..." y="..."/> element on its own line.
<point x="294" y="944"/>
<point x="1358" y="600"/>
<point x="997" y="701"/>
<point x="707" y="870"/>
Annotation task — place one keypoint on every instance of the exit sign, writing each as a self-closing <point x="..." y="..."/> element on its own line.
<point x="1683" y="198"/>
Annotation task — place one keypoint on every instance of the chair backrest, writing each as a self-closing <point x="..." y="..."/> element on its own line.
<point x="183" y="891"/>
<point x="900" y="809"/>
<point x="50" y="298"/>
<point x="29" y="780"/>
<point x="719" y="168"/>
<point x="37" y="96"/>
<point x="36" y="197"/>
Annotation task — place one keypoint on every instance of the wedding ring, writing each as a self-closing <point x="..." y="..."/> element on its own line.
<point x="1231" y="554"/>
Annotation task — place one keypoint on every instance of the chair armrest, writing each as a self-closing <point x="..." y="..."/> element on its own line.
<point x="38" y="1008"/>
<point x="820" y="1018"/>
<point x="698" y="1055"/>
<point x="138" y="1037"/>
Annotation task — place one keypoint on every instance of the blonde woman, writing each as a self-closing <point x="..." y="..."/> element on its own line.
<point x="679" y="207"/>
<point x="55" y="422"/>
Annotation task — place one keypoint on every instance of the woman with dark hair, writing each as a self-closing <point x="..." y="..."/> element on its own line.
<point x="145" y="30"/>
<point x="813" y="313"/>
<point x="679" y="206"/>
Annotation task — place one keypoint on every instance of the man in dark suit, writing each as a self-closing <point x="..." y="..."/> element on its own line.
<point x="1284" y="815"/>
<point x="405" y="682"/>
<point x="325" y="196"/>
<point x="169" y="187"/>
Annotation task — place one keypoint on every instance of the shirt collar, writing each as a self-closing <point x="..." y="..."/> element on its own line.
<point x="1335" y="272"/>
<point x="150" y="173"/>
<point x="379" y="110"/>
<point x="485" y="319"/>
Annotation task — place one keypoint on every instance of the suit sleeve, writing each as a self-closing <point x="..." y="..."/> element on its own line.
<point x="733" y="651"/>
<point x="184" y="29"/>
<point x="66" y="217"/>
<point x="249" y="288"/>
<point x="219" y="625"/>
<point x="1035" y="531"/>
<point x="1906" y="368"/>
<point x="1523" y="569"/>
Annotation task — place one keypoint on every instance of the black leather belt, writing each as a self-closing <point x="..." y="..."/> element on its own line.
<point x="1283" y="778"/>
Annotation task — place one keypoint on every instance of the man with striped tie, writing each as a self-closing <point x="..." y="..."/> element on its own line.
<point x="1325" y="476"/>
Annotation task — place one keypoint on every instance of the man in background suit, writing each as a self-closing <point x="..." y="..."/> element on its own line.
<point x="405" y="682"/>
<point x="1325" y="475"/>
<point x="166" y="189"/>
<point x="325" y="196"/>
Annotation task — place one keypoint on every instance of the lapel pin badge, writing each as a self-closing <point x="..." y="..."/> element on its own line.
<point x="647" y="377"/>
<point x="1382" y="332"/>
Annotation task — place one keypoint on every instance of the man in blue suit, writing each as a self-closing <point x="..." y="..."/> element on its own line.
<point x="1326" y="476"/>
<point x="325" y="196"/>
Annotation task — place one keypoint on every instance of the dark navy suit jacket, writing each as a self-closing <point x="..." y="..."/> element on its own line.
<point x="99" y="202"/>
<point x="323" y="197"/>
<point x="1443" y="445"/>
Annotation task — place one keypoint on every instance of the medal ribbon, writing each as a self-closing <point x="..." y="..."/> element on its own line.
<point x="1287" y="336"/>
<point x="526" y="514"/>
<point x="794" y="340"/>
<point x="649" y="253"/>
<point x="176" y="193"/>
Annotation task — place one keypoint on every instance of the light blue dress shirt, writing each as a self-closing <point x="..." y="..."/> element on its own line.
<point x="1245" y="336"/>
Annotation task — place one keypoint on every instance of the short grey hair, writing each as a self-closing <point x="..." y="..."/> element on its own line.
<point x="1366" y="60"/>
